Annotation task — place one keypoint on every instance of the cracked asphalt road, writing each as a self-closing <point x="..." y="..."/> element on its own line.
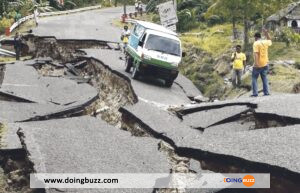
<point x="52" y="143"/>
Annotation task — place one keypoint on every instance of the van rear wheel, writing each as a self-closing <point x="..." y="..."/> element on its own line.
<point x="135" y="73"/>
<point x="128" y="63"/>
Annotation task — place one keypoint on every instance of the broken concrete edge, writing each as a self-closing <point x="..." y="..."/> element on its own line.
<point x="37" y="165"/>
<point x="221" y="163"/>
<point x="14" y="98"/>
<point x="65" y="40"/>
<point x="192" y="98"/>
<point x="73" y="111"/>
<point x="230" y="119"/>
<point x="147" y="128"/>
<point x="285" y="120"/>
<point x="116" y="73"/>
<point x="208" y="106"/>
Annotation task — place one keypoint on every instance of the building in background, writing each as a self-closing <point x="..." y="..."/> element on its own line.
<point x="287" y="17"/>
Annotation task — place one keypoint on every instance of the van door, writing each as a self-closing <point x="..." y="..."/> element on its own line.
<point x="136" y="35"/>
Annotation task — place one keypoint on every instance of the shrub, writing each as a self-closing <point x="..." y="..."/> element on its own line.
<point x="156" y="19"/>
<point x="186" y="20"/>
<point x="289" y="37"/>
<point x="213" y="20"/>
<point x="297" y="65"/>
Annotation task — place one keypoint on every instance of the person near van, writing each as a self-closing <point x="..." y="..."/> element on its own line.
<point x="239" y="62"/>
<point x="136" y="6"/>
<point x="18" y="45"/>
<point x="261" y="60"/>
<point x="36" y="15"/>
<point x="140" y="8"/>
<point x="125" y="36"/>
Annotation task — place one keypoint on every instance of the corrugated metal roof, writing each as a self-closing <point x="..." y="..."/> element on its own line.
<point x="283" y="12"/>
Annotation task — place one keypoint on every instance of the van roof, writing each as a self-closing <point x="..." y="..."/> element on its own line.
<point x="159" y="33"/>
<point x="155" y="27"/>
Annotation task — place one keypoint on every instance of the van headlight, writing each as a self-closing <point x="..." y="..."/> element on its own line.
<point x="146" y="57"/>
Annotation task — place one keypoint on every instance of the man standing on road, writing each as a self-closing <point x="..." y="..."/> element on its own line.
<point x="125" y="36"/>
<point x="18" y="45"/>
<point x="239" y="61"/>
<point x="261" y="60"/>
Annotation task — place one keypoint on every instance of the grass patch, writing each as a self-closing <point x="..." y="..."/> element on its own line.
<point x="279" y="51"/>
<point x="12" y="59"/>
<point x="24" y="27"/>
<point x="283" y="79"/>
<point x="7" y="59"/>
<point x="215" y="40"/>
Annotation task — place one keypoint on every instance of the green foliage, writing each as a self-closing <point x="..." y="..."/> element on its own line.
<point x="5" y="23"/>
<point x="199" y="5"/>
<point x="186" y="20"/>
<point x="213" y="20"/>
<point x="214" y="40"/>
<point x="289" y="37"/>
<point x="155" y="18"/>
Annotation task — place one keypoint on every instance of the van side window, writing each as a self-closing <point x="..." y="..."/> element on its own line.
<point x="138" y="30"/>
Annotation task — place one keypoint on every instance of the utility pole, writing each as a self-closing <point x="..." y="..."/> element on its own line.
<point x="124" y="1"/>
<point x="175" y="5"/>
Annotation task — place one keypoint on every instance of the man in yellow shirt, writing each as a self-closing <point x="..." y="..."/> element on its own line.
<point x="261" y="60"/>
<point x="239" y="61"/>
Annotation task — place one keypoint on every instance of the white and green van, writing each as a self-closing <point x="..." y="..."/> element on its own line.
<point x="153" y="50"/>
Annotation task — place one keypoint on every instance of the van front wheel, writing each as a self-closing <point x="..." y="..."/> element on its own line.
<point x="135" y="73"/>
<point x="169" y="82"/>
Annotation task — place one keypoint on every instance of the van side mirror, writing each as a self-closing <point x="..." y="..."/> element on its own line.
<point x="183" y="54"/>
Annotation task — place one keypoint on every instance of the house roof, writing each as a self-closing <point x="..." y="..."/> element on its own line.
<point x="284" y="12"/>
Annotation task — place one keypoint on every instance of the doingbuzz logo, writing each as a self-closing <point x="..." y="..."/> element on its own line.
<point x="248" y="180"/>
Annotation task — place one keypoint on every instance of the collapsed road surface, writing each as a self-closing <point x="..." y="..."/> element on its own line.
<point x="74" y="109"/>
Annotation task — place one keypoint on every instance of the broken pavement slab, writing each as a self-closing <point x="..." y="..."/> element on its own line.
<point x="92" y="146"/>
<point x="273" y="150"/>
<point x="24" y="82"/>
<point x="206" y="118"/>
<point x="283" y="105"/>
<point x="272" y="146"/>
<point x="14" y="111"/>
<point x="188" y="86"/>
<point x="159" y="123"/>
<point x="116" y="151"/>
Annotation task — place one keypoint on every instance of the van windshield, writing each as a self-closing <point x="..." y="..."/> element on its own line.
<point x="162" y="44"/>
